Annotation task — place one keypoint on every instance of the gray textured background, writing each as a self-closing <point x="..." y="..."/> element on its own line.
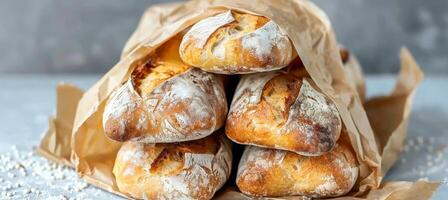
<point x="86" y="36"/>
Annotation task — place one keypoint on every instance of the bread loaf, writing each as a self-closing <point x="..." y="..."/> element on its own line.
<point x="233" y="42"/>
<point x="273" y="173"/>
<point x="283" y="110"/>
<point x="186" y="170"/>
<point x="166" y="100"/>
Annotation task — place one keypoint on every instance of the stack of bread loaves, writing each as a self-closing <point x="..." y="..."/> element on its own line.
<point x="167" y="112"/>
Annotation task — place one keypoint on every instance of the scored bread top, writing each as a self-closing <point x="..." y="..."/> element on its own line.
<point x="166" y="100"/>
<point x="162" y="65"/>
<point x="283" y="110"/>
<point x="270" y="172"/>
<point x="233" y="42"/>
<point x="188" y="170"/>
<point x="164" y="158"/>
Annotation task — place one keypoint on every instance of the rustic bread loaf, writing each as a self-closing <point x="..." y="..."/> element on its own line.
<point x="236" y="43"/>
<point x="283" y="110"/>
<point x="166" y="100"/>
<point x="186" y="170"/>
<point x="271" y="172"/>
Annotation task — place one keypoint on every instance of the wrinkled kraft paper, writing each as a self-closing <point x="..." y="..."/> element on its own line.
<point x="377" y="129"/>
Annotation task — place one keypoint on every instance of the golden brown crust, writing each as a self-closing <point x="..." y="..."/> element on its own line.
<point x="290" y="114"/>
<point x="233" y="42"/>
<point x="166" y="101"/>
<point x="269" y="172"/>
<point x="187" y="170"/>
<point x="162" y="65"/>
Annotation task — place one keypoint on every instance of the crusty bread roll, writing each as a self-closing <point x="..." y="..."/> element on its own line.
<point x="270" y="172"/>
<point x="283" y="110"/>
<point x="233" y="42"/>
<point x="187" y="170"/>
<point x="165" y="100"/>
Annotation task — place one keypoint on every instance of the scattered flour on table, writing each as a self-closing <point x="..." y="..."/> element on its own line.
<point x="25" y="175"/>
<point x="429" y="159"/>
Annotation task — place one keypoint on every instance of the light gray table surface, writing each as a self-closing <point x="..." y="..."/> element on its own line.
<point x="26" y="101"/>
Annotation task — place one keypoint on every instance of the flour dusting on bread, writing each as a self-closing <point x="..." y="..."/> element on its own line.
<point x="260" y="158"/>
<point x="187" y="106"/>
<point x="134" y="155"/>
<point x="288" y="114"/>
<point x="349" y="171"/>
<point x="236" y="43"/>
<point x="263" y="40"/>
<point x="328" y="186"/>
<point x="249" y="90"/>
<point x="202" y="30"/>
<point x="203" y="97"/>
<point x="174" y="188"/>
<point x="317" y="111"/>
<point x="120" y="104"/>
<point x="200" y="174"/>
<point x="316" y="107"/>
<point x="271" y="172"/>
<point x="185" y="89"/>
<point x="219" y="49"/>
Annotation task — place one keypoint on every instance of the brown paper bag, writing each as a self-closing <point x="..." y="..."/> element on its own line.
<point x="356" y="79"/>
<point x="93" y="155"/>
<point x="55" y="144"/>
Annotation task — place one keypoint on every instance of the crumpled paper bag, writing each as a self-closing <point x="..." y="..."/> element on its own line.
<point x="376" y="131"/>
